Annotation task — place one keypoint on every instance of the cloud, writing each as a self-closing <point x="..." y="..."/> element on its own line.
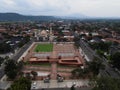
<point x="102" y="8"/>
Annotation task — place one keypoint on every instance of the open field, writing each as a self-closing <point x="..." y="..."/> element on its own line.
<point x="44" y="48"/>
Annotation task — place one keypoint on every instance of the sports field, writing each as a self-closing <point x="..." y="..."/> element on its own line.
<point x="44" y="48"/>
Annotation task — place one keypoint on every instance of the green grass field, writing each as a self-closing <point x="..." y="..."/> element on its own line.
<point x="44" y="48"/>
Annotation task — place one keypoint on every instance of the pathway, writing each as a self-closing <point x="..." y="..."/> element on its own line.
<point x="65" y="84"/>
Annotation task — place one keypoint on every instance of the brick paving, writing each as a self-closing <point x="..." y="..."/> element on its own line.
<point x="53" y="71"/>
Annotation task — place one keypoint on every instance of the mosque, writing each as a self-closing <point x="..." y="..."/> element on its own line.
<point x="44" y="35"/>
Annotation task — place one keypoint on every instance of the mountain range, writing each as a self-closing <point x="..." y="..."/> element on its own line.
<point x="20" y="17"/>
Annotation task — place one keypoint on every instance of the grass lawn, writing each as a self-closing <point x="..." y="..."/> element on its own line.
<point x="44" y="48"/>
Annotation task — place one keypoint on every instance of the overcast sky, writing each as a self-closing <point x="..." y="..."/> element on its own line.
<point x="98" y="8"/>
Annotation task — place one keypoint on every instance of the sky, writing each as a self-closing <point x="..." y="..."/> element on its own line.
<point x="92" y="8"/>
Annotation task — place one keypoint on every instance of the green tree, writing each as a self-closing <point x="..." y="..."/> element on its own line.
<point x="20" y="44"/>
<point x="100" y="52"/>
<point x="28" y="75"/>
<point x="102" y="46"/>
<point x="20" y="65"/>
<point x="11" y="69"/>
<point x="4" y="48"/>
<point x="34" y="73"/>
<point x="76" y="42"/>
<point x="21" y="84"/>
<point x="90" y="34"/>
<point x="27" y="39"/>
<point x="75" y="72"/>
<point x="115" y="60"/>
<point x="79" y="72"/>
<point x="21" y="74"/>
<point x="1" y="60"/>
<point x="107" y="83"/>
<point x="95" y="66"/>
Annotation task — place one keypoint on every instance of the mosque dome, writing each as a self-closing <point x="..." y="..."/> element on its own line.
<point x="43" y="33"/>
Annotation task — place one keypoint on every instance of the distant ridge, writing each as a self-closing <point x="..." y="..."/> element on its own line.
<point x="19" y="17"/>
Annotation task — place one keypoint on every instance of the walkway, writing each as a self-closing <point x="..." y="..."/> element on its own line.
<point x="53" y="70"/>
<point x="66" y="84"/>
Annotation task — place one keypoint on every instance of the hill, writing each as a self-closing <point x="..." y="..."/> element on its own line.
<point x="19" y="17"/>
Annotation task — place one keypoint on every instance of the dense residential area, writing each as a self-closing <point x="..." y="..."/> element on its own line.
<point x="60" y="54"/>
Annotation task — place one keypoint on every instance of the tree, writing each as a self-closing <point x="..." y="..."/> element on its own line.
<point x="1" y="60"/>
<point x="115" y="60"/>
<point x="95" y="66"/>
<point x="21" y="74"/>
<point x="26" y="39"/>
<point x="100" y="52"/>
<point x="75" y="72"/>
<point x="20" y="44"/>
<point x="90" y="34"/>
<point x="20" y="65"/>
<point x="102" y="46"/>
<point x="107" y="83"/>
<point x="28" y="75"/>
<point x="4" y="48"/>
<point x="21" y="84"/>
<point x="11" y="69"/>
<point x="34" y="74"/>
<point x="76" y="42"/>
<point x="79" y="72"/>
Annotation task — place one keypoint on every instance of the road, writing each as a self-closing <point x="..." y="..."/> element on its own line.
<point x="109" y="71"/>
<point x="86" y="49"/>
<point x="15" y="57"/>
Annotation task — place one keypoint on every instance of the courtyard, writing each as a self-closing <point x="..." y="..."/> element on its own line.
<point x="52" y="59"/>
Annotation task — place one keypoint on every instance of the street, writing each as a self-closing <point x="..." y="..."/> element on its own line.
<point x="109" y="71"/>
<point x="15" y="57"/>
